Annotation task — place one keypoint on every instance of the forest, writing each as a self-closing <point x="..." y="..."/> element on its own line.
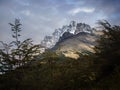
<point x="19" y="69"/>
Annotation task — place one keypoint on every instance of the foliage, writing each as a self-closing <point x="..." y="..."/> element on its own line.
<point x="109" y="43"/>
<point x="108" y="49"/>
<point x="17" y="53"/>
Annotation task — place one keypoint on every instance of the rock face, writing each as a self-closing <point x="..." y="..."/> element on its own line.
<point x="72" y="38"/>
<point x="82" y="42"/>
<point x="72" y="29"/>
<point x="82" y="27"/>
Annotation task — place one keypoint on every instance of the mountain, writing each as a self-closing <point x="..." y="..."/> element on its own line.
<point x="81" y="42"/>
<point x="73" y="28"/>
<point x="72" y="39"/>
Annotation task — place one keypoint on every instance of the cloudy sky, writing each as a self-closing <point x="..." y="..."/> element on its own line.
<point x="42" y="17"/>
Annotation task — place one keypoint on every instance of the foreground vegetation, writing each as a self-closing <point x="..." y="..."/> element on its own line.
<point x="94" y="71"/>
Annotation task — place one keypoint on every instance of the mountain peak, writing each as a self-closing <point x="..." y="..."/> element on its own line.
<point x="73" y="23"/>
<point x="72" y="29"/>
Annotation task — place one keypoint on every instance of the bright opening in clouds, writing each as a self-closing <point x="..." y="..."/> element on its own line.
<point x="80" y="10"/>
<point x="42" y="17"/>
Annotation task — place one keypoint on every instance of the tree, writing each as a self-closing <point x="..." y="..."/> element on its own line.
<point x="108" y="49"/>
<point x="17" y="53"/>
<point x="109" y="43"/>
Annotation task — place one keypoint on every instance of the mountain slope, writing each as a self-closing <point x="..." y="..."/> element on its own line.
<point x="81" y="42"/>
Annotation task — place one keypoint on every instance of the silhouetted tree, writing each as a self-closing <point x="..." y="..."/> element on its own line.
<point x="108" y="49"/>
<point x="109" y="42"/>
<point x="17" y="53"/>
